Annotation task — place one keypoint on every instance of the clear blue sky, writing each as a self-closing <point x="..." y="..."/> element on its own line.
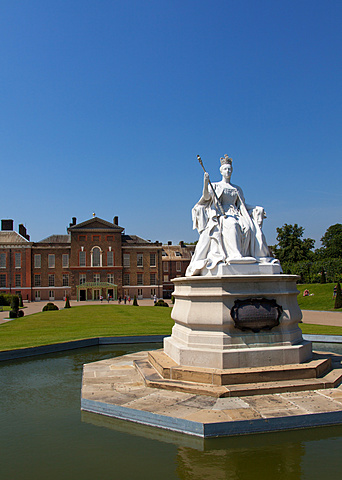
<point x="105" y="105"/>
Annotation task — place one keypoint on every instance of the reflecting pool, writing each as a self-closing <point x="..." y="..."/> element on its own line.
<point x="44" y="435"/>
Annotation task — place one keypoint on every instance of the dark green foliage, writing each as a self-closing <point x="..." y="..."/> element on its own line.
<point x="6" y="299"/>
<point x="161" y="303"/>
<point x="50" y="306"/>
<point x="332" y="242"/>
<point x="291" y="247"/>
<point x="172" y="299"/>
<point x="338" y="298"/>
<point x="135" y="301"/>
<point x="20" y="301"/>
<point x="67" y="303"/>
<point x="310" y="272"/>
<point x="20" y="313"/>
<point x="14" y="306"/>
<point x="323" y="277"/>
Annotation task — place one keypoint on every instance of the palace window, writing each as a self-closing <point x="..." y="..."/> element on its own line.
<point x="126" y="260"/>
<point x="96" y="277"/>
<point x="37" y="281"/>
<point x="2" y="260"/>
<point x="51" y="260"/>
<point x="82" y="278"/>
<point x="165" y="266"/>
<point x="166" y="278"/>
<point x="152" y="259"/>
<point x="18" y="260"/>
<point x="152" y="279"/>
<point x="18" y="280"/>
<point x="65" y="280"/>
<point x="110" y="277"/>
<point x="82" y="258"/>
<point x="2" y="280"/>
<point x="178" y="266"/>
<point x="51" y="295"/>
<point x="140" y="261"/>
<point x="38" y="261"/>
<point x="140" y="279"/>
<point x="126" y="279"/>
<point x="37" y="295"/>
<point x="65" y="260"/>
<point x="110" y="259"/>
<point x="96" y="257"/>
<point x="51" y="280"/>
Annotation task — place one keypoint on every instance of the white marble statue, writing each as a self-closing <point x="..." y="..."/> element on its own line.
<point x="230" y="230"/>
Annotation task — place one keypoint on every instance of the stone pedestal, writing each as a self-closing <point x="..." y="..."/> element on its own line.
<point x="205" y="334"/>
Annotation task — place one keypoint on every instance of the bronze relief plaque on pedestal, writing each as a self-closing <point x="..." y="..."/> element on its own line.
<point x="256" y="314"/>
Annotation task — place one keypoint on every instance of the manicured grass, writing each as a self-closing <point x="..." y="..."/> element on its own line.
<point x="88" y="321"/>
<point x="320" y="329"/>
<point x="322" y="298"/>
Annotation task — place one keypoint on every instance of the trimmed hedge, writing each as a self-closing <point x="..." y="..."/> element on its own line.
<point x="50" y="306"/>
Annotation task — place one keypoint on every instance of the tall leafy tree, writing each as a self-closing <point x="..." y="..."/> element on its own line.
<point x="332" y="242"/>
<point x="291" y="247"/>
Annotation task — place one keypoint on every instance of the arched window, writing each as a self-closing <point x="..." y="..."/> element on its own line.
<point x="96" y="257"/>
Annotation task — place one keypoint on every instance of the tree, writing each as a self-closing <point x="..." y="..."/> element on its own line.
<point x="338" y="298"/>
<point x="332" y="242"/>
<point x="291" y="246"/>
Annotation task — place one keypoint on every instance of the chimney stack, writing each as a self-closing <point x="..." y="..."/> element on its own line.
<point x="169" y="242"/>
<point x="73" y="222"/>
<point x="7" y="224"/>
<point x="23" y="232"/>
<point x="116" y="221"/>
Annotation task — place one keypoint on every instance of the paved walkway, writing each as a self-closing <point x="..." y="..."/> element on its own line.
<point x="309" y="316"/>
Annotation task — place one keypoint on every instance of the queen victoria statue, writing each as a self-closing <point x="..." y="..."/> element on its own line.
<point x="231" y="239"/>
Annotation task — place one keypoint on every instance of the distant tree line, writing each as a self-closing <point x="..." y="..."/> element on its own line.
<point x="297" y="255"/>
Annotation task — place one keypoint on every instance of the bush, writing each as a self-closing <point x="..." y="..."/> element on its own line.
<point x="338" y="298"/>
<point x="15" y="303"/>
<point x="5" y="299"/>
<point x="135" y="301"/>
<point x="50" y="306"/>
<point x="161" y="303"/>
<point x="67" y="303"/>
<point x="20" y="301"/>
<point x="20" y="313"/>
<point x="13" y="314"/>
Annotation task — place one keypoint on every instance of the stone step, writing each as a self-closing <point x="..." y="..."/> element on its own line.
<point x="153" y="379"/>
<point x="169" y="369"/>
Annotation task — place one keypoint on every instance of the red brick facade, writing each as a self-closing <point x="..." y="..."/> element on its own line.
<point x="95" y="258"/>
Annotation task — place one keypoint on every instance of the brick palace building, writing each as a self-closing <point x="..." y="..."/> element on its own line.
<point x="94" y="258"/>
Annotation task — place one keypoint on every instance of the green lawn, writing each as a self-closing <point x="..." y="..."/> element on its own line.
<point x="88" y="321"/>
<point x="322" y="298"/>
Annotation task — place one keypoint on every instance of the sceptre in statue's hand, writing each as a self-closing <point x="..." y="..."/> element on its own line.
<point x="211" y="186"/>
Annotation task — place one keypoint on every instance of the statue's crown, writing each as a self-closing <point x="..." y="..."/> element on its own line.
<point x="224" y="160"/>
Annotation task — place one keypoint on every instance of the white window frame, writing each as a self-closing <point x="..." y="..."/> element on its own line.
<point x="153" y="276"/>
<point x="97" y="278"/>
<point x="37" y="260"/>
<point x="52" y="260"/>
<point x="51" y="280"/>
<point x="110" y="278"/>
<point x="165" y="266"/>
<point x="3" y="276"/>
<point x="3" y="260"/>
<point x="178" y="266"/>
<point x="37" y="296"/>
<point x="140" y="260"/>
<point x="82" y="278"/>
<point x="65" y="260"/>
<point x="140" y="275"/>
<point x="92" y="256"/>
<point x="110" y="258"/>
<point x="51" y="294"/>
<point x="82" y="258"/>
<point x="37" y="280"/>
<point x="126" y="279"/>
<point x="17" y="257"/>
<point x="153" y="259"/>
<point x="17" y="279"/>
<point x="126" y="260"/>
<point x="65" y="280"/>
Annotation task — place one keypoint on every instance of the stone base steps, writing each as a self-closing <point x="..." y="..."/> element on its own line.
<point x="159" y="371"/>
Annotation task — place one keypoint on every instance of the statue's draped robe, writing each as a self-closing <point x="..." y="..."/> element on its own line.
<point x="208" y="220"/>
